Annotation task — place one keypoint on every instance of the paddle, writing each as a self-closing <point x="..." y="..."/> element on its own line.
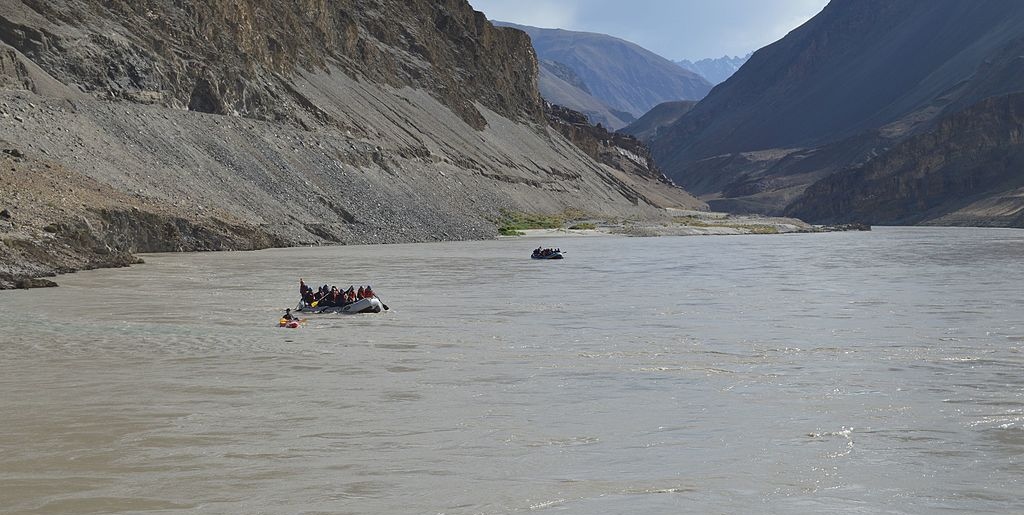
<point x="317" y="302"/>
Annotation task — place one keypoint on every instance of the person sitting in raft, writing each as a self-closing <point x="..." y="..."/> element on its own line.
<point x="287" y="314"/>
<point x="368" y="292"/>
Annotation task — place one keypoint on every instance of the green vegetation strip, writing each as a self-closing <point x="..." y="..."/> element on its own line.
<point x="512" y="223"/>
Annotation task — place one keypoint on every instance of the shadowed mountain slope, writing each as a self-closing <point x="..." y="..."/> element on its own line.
<point x="839" y="91"/>
<point x="561" y="86"/>
<point x="968" y="171"/>
<point x="662" y="115"/>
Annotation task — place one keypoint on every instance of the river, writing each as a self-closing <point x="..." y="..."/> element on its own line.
<point x="851" y="372"/>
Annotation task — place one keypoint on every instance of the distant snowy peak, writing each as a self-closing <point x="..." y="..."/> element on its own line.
<point x="715" y="70"/>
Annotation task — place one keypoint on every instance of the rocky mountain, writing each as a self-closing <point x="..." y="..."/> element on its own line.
<point x="969" y="170"/>
<point x="561" y="86"/>
<point x="716" y="71"/>
<point x="154" y="125"/>
<point x="661" y="116"/>
<point x="624" y="76"/>
<point x="841" y="91"/>
<point x="619" y="151"/>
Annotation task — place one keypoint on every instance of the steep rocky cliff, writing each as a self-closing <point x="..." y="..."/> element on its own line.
<point x="622" y="152"/>
<point x="237" y="57"/>
<point x="183" y="125"/>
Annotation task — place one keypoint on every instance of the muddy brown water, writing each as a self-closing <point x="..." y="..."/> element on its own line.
<point x="851" y="372"/>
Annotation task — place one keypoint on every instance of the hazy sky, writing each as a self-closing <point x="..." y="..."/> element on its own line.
<point x="676" y="29"/>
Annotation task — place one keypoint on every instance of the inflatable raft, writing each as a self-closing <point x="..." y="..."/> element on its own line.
<point x="552" y="255"/>
<point x="371" y="305"/>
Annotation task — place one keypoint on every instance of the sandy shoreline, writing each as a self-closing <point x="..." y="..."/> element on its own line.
<point x="683" y="223"/>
